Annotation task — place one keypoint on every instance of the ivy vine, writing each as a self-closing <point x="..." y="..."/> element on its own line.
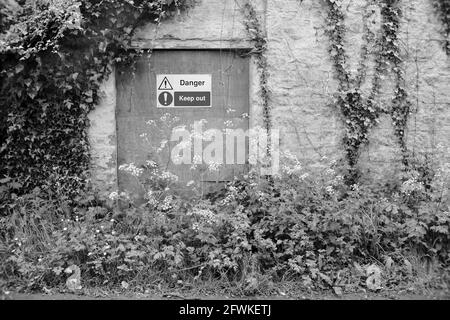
<point x="52" y="61"/>
<point x="256" y="32"/>
<point x="359" y="113"/>
<point x="401" y="106"/>
<point x="443" y="11"/>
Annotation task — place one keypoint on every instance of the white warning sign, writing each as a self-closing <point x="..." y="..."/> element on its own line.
<point x="183" y="90"/>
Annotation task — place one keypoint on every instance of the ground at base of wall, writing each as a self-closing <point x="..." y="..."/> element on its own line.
<point x="361" y="296"/>
<point x="282" y="293"/>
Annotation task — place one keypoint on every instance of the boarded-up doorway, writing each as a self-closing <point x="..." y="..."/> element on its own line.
<point x="142" y="126"/>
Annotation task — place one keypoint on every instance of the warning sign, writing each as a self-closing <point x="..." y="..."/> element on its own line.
<point x="183" y="90"/>
<point x="165" y="85"/>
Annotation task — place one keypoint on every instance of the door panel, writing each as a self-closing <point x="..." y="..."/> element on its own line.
<point x="137" y="112"/>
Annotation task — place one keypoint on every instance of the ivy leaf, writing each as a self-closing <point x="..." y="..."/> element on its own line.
<point x="15" y="185"/>
<point x="19" y="68"/>
<point x="5" y="180"/>
<point x="32" y="94"/>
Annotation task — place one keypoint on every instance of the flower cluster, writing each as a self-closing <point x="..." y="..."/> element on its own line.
<point x="131" y="169"/>
<point x="169" y="176"/>
<point x="115" y="195"/>
<point x="412" y="184"/>
<point x="205" y="215"/>
<point x="228" y="123"/>
<point x="213" y="166"/>
<point x="167" y="203"/>
<point x="195" y="226"/>
<point x="151" y="164"/>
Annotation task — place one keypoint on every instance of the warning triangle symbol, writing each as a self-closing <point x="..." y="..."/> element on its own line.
<point x="165" y="85"/>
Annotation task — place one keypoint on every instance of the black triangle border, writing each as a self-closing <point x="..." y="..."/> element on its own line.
<point x="165" y="78"/>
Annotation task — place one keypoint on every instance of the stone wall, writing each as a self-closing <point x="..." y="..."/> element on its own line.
<point x="301" y="78"/>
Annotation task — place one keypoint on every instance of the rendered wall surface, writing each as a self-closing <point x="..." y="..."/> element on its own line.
<point x="301" y="78"/>
<point x="102" y="137"/>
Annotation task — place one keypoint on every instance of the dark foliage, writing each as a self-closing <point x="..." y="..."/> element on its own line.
<point x="52" y="59"/>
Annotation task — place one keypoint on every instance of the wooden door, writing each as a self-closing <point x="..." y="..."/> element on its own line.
<point x="142" y="126"/>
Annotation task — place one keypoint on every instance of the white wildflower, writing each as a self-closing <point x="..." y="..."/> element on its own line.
<point x="165" y="117"/>
<point x="411" y="185"/>
<point x="166" y="175"/>
<point x="151" y="163"/>
<point x="228" y="123"/>
<point x="131" y="169"/>
<point x="213" y="166"/>
<point x="167" y="203"/>
<point x="190" y="183"/>
<point x="124" y="195"/>
<point x="113" y="195"/>
<point x="304" y="176"/>
<point x="205" y="215"/>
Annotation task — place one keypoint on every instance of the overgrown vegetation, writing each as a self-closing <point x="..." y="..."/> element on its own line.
<point x="253" y="233"/>
<point x="319" y="230"/>
<point x="52" y="59"/>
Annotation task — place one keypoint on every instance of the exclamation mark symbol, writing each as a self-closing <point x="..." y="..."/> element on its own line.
<point x="165" y="98"/>
<point x="165" y="87"/>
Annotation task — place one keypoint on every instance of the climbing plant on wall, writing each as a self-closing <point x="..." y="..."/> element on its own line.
<point x="255" y="30"/>
<point x="53" y="58"/>
<point x="443" y="11"/>
<point x="7" y="11"/>
<point x="361" y="112"/>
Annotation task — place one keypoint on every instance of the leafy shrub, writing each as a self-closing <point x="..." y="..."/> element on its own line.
<point x="293" y="226"/>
